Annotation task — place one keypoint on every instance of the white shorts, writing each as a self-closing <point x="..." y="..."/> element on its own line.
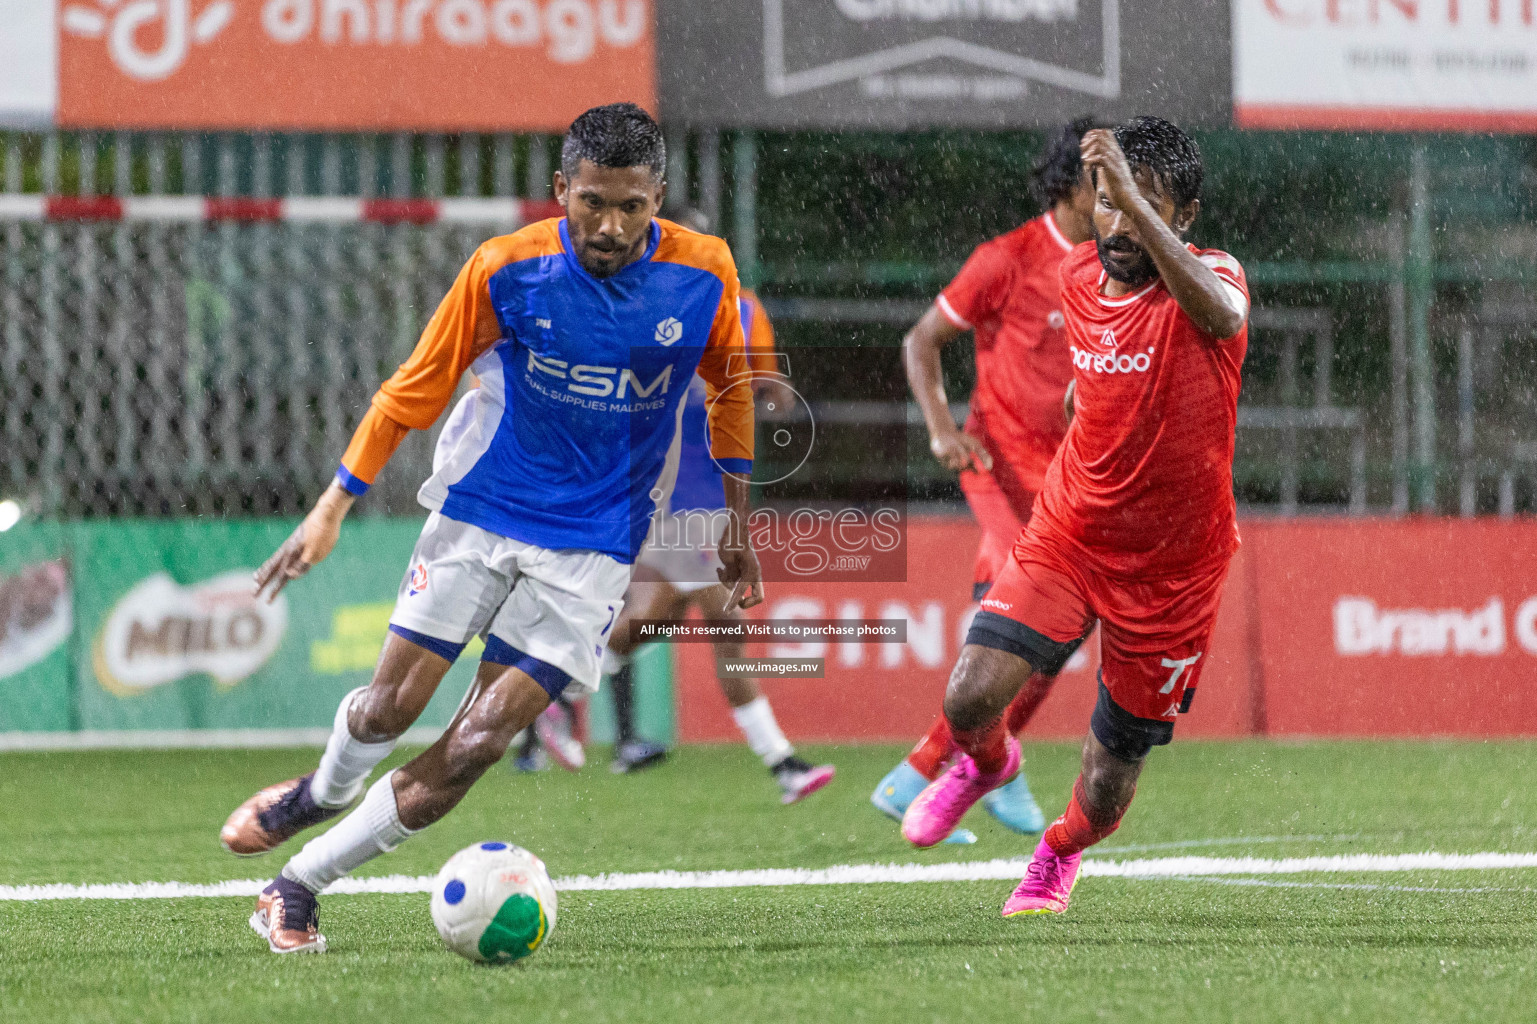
<point x="684" y="547"/>
<point x="554" y="607"/>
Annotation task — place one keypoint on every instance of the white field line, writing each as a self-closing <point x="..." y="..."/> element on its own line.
<point x="1271" y="883"/>
<point x="185" y="739"/>
<point x="1190" y="844"/>
<point x="1186" y="868"/>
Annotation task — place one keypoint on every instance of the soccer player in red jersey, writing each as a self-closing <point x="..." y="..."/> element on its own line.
<point x="1136" y="523"/>
<point x="1007" y="293"/>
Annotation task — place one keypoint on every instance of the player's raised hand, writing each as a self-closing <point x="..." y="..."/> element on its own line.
<point x="307" y="546"/>
<point x="1102" y="153"/>
<point x="958" y="450"/>
<point x="741" y="573"/>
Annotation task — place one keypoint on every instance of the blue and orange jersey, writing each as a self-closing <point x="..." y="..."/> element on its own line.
<point x="699" y="479"/>
<point x="582" y="383"/>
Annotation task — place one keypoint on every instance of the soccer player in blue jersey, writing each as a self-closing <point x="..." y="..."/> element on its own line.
<point x="676" y="571"/>
<point x="584" y="332"/>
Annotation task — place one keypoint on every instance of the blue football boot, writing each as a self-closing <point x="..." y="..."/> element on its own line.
<point x="899" y="788"/>
<point x="1014" y="806"/>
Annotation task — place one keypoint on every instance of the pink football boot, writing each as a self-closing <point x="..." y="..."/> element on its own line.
<point x="798" y="780"/>
<point x="556" y="729"/>
<point x="936" y="811"/>
<point x="1047" y="885"/>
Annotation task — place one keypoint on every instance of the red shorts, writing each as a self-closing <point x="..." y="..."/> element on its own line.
<point x="1001" y="525"/>
<point x="1153" y="635"/>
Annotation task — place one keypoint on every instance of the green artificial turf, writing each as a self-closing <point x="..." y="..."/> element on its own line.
<point x="1132" y="950"/>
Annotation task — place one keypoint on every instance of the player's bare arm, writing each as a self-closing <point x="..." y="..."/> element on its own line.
<point x="741" y="572"/>
<point x="955" y="449"/>
<point x="1135" y="206"/>
<point x="308" y="545"/>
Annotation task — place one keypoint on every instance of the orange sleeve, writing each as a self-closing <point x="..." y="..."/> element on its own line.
<point x="724" y="364"/>
<point x="760" y="338"/>
<point x="373" y="443"/>
<point x="463" y="328"/>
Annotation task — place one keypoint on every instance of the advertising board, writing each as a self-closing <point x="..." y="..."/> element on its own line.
<point x="343" y="65"/>
<point x="1375" y="627"/>
<point x="1385" y="65"/>
<point x="1347" y="627"/>
<point x="37" y="621"/>
<point x="940" y="63"/>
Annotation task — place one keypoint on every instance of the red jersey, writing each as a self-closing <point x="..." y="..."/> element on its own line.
<point x="1008" y="293"/>
<point x="1143" y="485"/>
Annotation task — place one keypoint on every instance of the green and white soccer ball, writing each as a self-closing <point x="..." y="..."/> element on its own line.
<point x="494" y="903"/>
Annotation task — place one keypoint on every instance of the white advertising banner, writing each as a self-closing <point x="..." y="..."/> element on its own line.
<point x="29" y="62"/>
<point x="1396" y="65"/>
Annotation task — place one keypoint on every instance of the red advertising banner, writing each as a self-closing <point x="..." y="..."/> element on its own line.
<point x="1413" y="628"/>
<point x="1327" y="628"/>
<point x="472" y="65"/>
<point x="893" y="691"/>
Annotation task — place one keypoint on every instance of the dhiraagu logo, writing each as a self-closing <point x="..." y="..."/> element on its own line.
<point x="357" y="634"/>
<point x="172" y="21"/>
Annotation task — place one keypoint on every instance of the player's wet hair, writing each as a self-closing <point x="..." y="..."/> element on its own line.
<point x="1060" y="167"/>
<point x="1172" y="156"/>
<point x="616" y="135"/>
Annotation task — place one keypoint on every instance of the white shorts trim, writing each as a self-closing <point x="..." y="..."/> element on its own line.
<point x="557" y="606"/>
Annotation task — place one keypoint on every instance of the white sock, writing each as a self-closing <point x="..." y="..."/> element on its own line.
<point x="345" y="765"/>
<point x="372" y="829"/>
<point x="756" y="720"/>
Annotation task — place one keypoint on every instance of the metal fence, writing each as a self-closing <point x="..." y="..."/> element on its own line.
<point x="164" y="368"/>
<point x="156" y="367"/>
<point x="189" y="370"/>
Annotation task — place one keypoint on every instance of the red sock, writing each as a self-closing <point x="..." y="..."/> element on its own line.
<point x="987" y="745"/>
<point x="1026" y="702"/>
<point x="1075" y="831"/>
<point x="934" y="750"/>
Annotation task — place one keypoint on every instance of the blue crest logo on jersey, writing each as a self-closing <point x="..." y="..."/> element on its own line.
<point x="669" y="331"/>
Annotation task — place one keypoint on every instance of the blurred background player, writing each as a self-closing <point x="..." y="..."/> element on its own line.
<point x="540" y="498"/>
<point x="1136" y="525"/>
<point x="555" y="736"/>
<point x="676" y="572"/>
<point x="1007" y="293"/>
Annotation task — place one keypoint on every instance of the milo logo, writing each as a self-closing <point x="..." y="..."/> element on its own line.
<point x="161" y="631"/>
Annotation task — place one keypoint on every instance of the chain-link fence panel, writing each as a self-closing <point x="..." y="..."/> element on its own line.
<point x="191" y="369"/>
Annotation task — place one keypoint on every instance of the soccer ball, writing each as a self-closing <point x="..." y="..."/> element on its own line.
<point x="494" y="902"/>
